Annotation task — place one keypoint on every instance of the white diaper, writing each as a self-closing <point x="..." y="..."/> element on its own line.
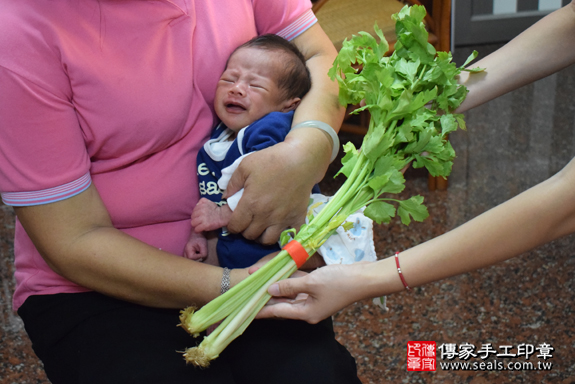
<point x="346" y="246"/>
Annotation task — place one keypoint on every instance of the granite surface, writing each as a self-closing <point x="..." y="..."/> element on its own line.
<point x="511" y="144"/>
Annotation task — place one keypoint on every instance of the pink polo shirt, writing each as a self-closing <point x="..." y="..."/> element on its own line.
<point x="117" y="93"/>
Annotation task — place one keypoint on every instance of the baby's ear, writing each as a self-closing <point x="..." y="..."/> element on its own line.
<point x="291" y="104"/>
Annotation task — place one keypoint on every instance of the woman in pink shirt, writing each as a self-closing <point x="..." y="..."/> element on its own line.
<point x="103" y="107"/>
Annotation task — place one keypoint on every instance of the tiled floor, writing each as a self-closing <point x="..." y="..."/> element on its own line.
<point x="511" y="144"/>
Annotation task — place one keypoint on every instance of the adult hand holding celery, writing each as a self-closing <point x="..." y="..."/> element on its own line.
<point x="409" y="95"/>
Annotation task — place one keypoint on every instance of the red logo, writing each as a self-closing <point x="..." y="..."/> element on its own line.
<point x="421" y="356"/>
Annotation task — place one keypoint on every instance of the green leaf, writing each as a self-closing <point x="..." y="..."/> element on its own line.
<point x="387" y="177"/>
<point x="474" y="70"/>
<point x="433" y="75"/>
<point x="347" y="225"/>
<point x="422" y="117"/>
<point x="434" y="145"/>
<point x="378" y="182"/>
<point x="383" y="46"/>
<point x="444" y="63"/>
<point x="380" y="212"/>
<point x="412" y="35"/>
<point x="385" y="76"/>
<point x="404" y="134"/>
<point x="447" y="154"/>
<point x="396" y="183"/>
<point x="460" y="121"/>
<point x="384" y="165"/>
<point x="418" y="146"/>
<point x="408" y="69"/>
<point x="286" y="236"/>
<point x="471" y="57"/>
<point x="436" y="164"/>
<point x="378" y="143"/>
<point x="412" y="207"/>
<point x="448" y="124"/>
<point x="349" y="159"/>
<point x="456" y="98"/>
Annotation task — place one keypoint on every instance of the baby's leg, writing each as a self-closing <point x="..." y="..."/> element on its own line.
<point x="212" y="258"/>
<point x="208" y="216"/>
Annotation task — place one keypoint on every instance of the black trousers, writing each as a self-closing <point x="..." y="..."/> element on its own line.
<point x="86" y="338"/>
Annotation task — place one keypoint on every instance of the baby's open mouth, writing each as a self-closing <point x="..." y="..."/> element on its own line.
<point x="233" y="107"/>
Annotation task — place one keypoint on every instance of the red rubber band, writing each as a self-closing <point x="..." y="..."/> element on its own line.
<point x="297" y="252"/>
<point x="399" y="271"/>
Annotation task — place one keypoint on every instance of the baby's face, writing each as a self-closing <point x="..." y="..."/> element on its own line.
<point x="248" y="90"/>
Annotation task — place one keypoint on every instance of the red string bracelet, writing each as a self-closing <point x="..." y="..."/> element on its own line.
<point x="401" y="274"/>
<point x="297" y="252"/>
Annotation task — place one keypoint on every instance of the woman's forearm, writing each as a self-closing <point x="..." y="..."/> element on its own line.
<point x="321" y="102"/>
<point x="77" y="240"/>
<point x="544" y="48"/>
<point x="110" y="262"/>
<point x="535" y="217"/>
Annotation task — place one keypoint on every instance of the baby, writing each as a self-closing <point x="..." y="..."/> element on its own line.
<point x="263" y="83"/>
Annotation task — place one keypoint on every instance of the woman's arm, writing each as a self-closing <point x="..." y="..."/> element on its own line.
<point x="541" y="50"/>
<point x="535" y="217"/>
<point x="77" y="240"/>
<point x="322" y="101"/>
<point x="277" y="180"/>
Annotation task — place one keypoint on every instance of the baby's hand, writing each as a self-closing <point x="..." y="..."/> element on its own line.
<point x="197" y="247"/>
<point x="208" y="216"/>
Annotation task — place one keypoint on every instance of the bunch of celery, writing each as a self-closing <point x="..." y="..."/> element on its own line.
<point x="409" y="95"/>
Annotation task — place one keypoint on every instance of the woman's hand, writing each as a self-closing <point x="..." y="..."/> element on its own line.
<point x="277" y="183"/>
<point x="315" y="296"/>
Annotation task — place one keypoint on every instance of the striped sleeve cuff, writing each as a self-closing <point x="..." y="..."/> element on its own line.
<point x="299" y="26"/>
<point x="50" y="195"/>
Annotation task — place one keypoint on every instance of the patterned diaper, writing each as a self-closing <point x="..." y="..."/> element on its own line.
<point x="346" y="246"/>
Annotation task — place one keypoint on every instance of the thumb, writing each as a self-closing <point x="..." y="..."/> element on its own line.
<point x="274" y="289"/>
<point x="286" y="288"/>
<point x="237" y="181"/>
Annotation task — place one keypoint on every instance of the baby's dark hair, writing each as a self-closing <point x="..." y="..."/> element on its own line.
<point x="295" y="81"/>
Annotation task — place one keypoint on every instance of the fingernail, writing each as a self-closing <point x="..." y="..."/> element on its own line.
<point x="274" y="289"/>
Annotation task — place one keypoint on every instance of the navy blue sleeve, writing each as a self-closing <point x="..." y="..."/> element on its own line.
<point x="267" y="131"/>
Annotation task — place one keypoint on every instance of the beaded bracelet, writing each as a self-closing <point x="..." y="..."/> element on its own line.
<point x="401" y="274"/>
<point x="327" y="129"/>
<point x="225" y="281"/>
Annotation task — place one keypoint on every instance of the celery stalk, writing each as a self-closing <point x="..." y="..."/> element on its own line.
<point x="236" y="323"/>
